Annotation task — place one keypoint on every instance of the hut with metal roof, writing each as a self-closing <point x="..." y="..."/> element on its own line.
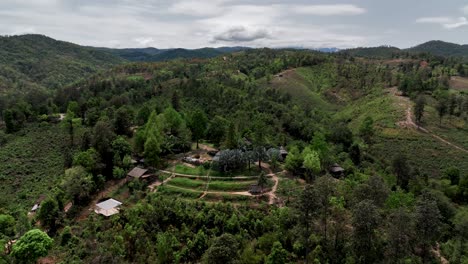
<point x="108" y="207"/>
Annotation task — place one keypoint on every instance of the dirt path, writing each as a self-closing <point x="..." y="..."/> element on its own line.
<point x="438" y="255"/>
<point x="404" y="102"/>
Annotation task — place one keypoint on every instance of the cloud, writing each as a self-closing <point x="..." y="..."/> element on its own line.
<point x="446" y="22"/>
<point x="198" y="8"/>
<point x="465" y="9"/>
<point x="328" y="10"/>
<point x="144" y="41"/>
<point x="242" y="34"/>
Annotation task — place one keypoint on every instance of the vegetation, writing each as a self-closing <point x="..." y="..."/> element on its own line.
<point x="327" y="111"/>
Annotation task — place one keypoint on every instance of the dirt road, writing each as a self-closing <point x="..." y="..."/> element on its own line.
<point x="405" y="102"/>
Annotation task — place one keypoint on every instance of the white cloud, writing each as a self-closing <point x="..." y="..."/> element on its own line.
<point x="446" y="22"/>
<point x="242" y="34"/>
<point x="465" y="9"/>
<point x="198" y="8"/>
<point x="328" y="10"/>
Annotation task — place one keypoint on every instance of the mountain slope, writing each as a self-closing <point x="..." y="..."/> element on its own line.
<point x="47" y="62"/>
<point x="155" y="55"/>
<point x="441" y="48"/>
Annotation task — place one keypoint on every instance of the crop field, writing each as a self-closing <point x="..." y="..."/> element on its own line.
<point x="31" y="164"/>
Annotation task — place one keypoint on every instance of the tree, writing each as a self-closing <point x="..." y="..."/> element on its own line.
<point x="121" y="147"/>
<point x="231" y="141"/>
<point x="400" y="235"/>
<point x="48" y="214"/>
<point x="123" y="121"/>
<point x="355" y="154"/>
<point x="365" y="220"/>
<point x="312" y="163"/>
<point x="419" y="108"/>
<point x="401" y="170"/>
<point x="152" y="150"/>
<point x="9" y="121"/>
<point x="78" y="185"/>
<point x="217" y="129"/>
<point x="294" y="160"/>
<point x="102" y="142"/>
<point x="320" y="145"/>
<point x="441" y="109"/>
<point x="262" y="180"/>
<point x="278" y="254"/>
<point x="453" y="174"/>
<point x="87" y="159"/>
<point x="366" y="130"/>
<point x="175" y="100"/>
<point x="223" y="250"/>
<point x="198" y="124"/>
<point x="7" y="225"/>
<point x="428" y="224"/>
<point x="31" y="246"/>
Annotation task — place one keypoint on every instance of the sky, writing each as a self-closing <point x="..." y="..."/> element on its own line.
<point x="260" y="23"/>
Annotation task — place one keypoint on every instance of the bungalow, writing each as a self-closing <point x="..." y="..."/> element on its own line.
<point x="336" y="170"/>
<point x="255" y="189"/>
<point x="137" y="172"/>
<point x="108" y="207"/>
<point x="283" y="152"/>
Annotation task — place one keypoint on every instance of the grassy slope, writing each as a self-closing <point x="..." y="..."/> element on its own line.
<point x="305" y="86"/>
<point x="428" y="154"/>
<point x="31" y="165"/>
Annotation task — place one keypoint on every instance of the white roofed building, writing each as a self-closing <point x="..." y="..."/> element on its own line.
<point x="108" y="207"/>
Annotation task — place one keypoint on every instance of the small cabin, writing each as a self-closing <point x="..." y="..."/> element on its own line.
<point x="283" y="152"/>
<point x="255" y="189"/>
<point x="137" y="173"/>
<point x="336" y="170"/>
<point x="108" y="207"/>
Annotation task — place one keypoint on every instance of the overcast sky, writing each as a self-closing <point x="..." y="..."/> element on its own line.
<point x="261" y="23"/>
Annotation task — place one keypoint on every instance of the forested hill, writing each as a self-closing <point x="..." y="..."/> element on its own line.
<point x="29" y="61"/>
<point x="155" y="55"/>
<point x="434" y="47"/>
<point x="441" y="48"/>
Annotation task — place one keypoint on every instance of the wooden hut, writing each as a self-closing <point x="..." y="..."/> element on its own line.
<point x="336" y="170"/>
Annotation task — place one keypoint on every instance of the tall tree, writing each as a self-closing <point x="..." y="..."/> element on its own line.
<point x="365" y="220"/>
<point x="401" y="170"/>
<point x="262" y="180"/>
<point x="48" y="214"/>
<point x="401" y="234"/>
<point x="428" y="225"/>
<point x="419" y="108"/>
<point x="441" y="109"/>
<point x="231" y="141"/>
<point x="312" y="164"/>
<point x="198" y="124"/>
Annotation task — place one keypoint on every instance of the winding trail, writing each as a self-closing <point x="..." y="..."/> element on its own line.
<point x="409" y="122"/>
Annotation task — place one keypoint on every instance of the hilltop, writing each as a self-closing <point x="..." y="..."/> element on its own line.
<point x="43" y="61"/>
<point x="434" y="47"/>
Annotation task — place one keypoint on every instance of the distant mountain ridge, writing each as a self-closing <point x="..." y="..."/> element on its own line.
<point x="155" y="55"/>
<point x="434" y="47"/>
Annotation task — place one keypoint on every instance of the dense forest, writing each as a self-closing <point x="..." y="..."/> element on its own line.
<point x="357" y="159"/>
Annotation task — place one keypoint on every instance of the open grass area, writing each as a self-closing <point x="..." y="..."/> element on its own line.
<point x="228" y="186"/>
<point x="178" y="192"/>
<point x="184" y="169"/>
<point x="214" y="197"/>
<point x="31" y="164"/>
<point x="303" y="87"/>
<point x="254" y="171"/>
<point x="187" y="183"/>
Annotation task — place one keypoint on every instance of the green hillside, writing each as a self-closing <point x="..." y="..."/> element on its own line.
<point x="376" y="165"/>
<point x="47" y="62"/>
